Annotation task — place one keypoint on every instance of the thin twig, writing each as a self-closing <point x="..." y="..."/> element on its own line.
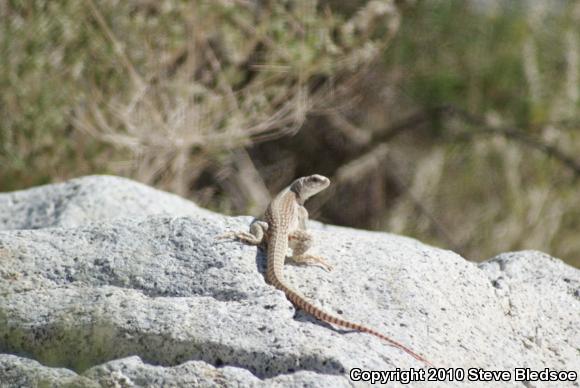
<point x="481" y="128"/>
<point x="118" y="47"/>
<point x="514" y="134"/>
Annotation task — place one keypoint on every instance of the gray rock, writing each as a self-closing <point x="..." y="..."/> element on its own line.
<point x="132" y="372"/>
<point x="107" y="282"/>
<point x="541" y="295"/>
<point x="91" y="198"/>
<point x="24" y="372"/>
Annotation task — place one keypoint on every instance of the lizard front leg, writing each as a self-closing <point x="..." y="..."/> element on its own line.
<point x="255" y="236"/>
<point x="300" y="241"/>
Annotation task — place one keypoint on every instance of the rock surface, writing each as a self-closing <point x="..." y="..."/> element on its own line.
<point x="106" y="282"/>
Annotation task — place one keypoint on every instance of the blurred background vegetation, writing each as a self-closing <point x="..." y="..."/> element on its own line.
<point x="455" y="122"/>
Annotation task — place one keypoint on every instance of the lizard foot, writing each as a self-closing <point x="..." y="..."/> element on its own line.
<point x="308" y="259"/>
<point x="244" y="237"/>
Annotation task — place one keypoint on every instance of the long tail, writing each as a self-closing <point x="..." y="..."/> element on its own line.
<point x="302" y="303"/>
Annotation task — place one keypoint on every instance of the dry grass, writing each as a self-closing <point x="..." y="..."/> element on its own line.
<point x="253" y="80"/>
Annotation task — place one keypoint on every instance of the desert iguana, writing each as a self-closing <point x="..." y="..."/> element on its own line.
<point x="284" y="225"/>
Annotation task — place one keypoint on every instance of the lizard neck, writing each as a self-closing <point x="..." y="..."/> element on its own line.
<point x="299" y="199"/>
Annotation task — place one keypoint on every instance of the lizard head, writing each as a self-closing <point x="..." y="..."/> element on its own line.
<point x="308" y="186"/>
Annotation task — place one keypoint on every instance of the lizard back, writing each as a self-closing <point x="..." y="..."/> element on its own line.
<point x="279" y="216"/>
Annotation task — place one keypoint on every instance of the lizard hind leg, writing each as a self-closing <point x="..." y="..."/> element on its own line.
<point x="300" y="241"/>
<point x="256" y="235"/>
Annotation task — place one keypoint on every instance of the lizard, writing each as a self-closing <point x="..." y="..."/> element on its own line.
<point x="283" y="226"/>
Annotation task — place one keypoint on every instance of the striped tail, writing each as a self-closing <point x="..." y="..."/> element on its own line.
<point x="302" y="303"/>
